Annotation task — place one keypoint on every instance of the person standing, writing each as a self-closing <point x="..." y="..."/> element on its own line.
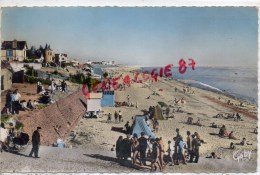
<point x="63" y="86"/>
<point x="17" y="97"/>
<point x="119" y="147"/>
<point x="8" y="102"/>
<point x="195" y="149"/>
<point x="162" y="151"/>
<point x="120" y="116"/>
<point x="13" y="109"/>
<point x="36" y="140"/>
<point x="135" y="149"/>
<point x="109" y="118"/>
<point x="143" y="146"/>
<point x="181" y="150"/>
<point x="189" y="144"/>
<point x="115" y="116"/>
<point x="155" y="164"/>
<point x="155" y="125"/>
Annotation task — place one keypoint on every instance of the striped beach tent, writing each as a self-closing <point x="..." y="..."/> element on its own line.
<point x="139" y="126"/>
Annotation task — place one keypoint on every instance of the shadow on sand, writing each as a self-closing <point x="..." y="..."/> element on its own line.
<point x="121" y="162"/>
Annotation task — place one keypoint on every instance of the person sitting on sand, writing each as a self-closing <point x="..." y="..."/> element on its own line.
<point x="109" y="118"/>
<point x="232" y="146"/>
<point x="223" y="131"/>
<point x="238" y="117"/>
<point x="243" y="142"/>
<point x="184" y="90"/>
<point x="213" y="156"/>
<point x="214" y="125"/>
<point x="24" y="107"/>
<point x="190" y="121"/>
<point x="228" y="102"/>
<point x="231" y="135"/>
<point x="256" y="130"/>
<point x="198" y="123"/>
<point x="183" y="101"/>
<point x="30" y="105"/>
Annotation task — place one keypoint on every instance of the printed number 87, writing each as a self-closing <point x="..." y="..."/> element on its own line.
<point x="183" y="67"/>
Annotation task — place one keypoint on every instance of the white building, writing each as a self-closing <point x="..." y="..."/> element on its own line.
<point x="74" y="62"/>
<point x="61" y="58"/>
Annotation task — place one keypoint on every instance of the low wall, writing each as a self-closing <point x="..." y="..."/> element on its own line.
<point x="65" y="113"/>
<point x="19" y="66"/>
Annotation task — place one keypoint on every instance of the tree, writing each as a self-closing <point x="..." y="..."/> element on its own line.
<point x="38" y="53"/>
<point x="42" y="50"/>
<point x="31" y="53"/>
<point x="46" y="46"/>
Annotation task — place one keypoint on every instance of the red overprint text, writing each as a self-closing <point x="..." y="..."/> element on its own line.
<point x="106" y="84"/>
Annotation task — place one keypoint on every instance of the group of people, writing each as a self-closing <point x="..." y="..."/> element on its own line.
<point x="190" y="121"/>
<point x="187" y="89"/>
<point x="223" y="133"/>
<point x="14" y="104"/>
<point x="142" y="149"/>
<point x="29" y="105"/>
<point x="54" y="86"/>
<point x="118" y="116"/>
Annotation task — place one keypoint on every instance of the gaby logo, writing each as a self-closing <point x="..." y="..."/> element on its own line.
<point x="106" y="84"/>
<point x="242" y="155"/>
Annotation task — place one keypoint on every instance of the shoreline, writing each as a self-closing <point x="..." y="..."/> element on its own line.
<point x="97" y="134"/>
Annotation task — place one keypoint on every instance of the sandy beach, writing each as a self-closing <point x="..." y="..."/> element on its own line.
<point x="202" y="104"/>
<point x="95" y="135"/>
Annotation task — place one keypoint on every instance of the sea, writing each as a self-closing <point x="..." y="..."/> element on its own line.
<point x="238" y="82"/>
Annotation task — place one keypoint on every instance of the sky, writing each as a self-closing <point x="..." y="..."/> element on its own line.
<point x="212" y="36"/>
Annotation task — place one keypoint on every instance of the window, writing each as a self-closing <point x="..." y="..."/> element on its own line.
<point x="9" y="53"/>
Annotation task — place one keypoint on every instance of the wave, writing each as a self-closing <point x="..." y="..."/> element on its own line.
<point x="201" y="85"/>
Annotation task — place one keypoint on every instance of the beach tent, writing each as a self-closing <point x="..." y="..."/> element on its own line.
<point x="158" y="113"/>
<point x="139" y="126"/>
<point x="108" y="99"/>
<point x="94" y="102"/>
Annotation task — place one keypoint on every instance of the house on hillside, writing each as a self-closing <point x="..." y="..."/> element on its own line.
<point x="6" y="75"/>
<point x="13" y="50"/>
<point x="61" y="58"/>
<point x="74" y="62"/>
<point x="49" y="56"/>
